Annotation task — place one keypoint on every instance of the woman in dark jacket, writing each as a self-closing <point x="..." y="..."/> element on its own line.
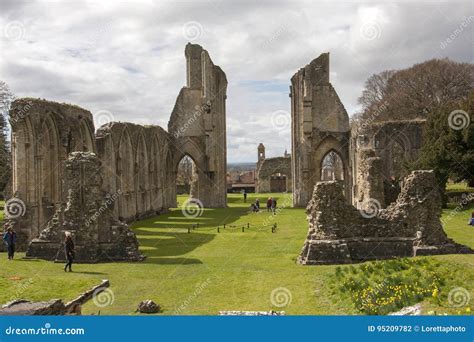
<point x="10" y="240"/>
<point x="69" y="249"/>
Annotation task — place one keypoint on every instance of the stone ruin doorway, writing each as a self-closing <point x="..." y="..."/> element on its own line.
<point x="332" y="168"/>
<point x="278" y="182"/>
<point x="186" y="176"/>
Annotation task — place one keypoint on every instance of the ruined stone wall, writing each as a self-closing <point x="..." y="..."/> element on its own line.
<point x="395" y="144"/>
<point x="138" y="163"/>
<point x="198" y="126"/>
<point x="136" y="166"/>
<point x="43" y="134"/>
<point x="320" y="124"/>
<point x="408" y="227"/>
<point x="269" y="167"/>
<point x="87" y="215"/>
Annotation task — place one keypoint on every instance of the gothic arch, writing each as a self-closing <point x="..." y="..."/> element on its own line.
<point x="125" y="179"/>
<point x="155" y="174"/>
<point x="87" y="141"/>
<point x="48" y="168"/>
<point x="327" y="145"/>
<point x="141" y="175"/>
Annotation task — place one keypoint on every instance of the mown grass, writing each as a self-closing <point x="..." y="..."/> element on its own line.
<point x="203" y="272"/>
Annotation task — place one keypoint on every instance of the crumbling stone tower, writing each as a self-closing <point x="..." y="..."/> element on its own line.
<point x="198" y="126"/>
<point x="320" y="125"/>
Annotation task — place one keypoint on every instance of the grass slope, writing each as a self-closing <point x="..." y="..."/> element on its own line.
<point x="204" y="271"/>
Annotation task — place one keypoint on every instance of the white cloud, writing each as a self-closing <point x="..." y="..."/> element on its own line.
<point x="128" y="57"/>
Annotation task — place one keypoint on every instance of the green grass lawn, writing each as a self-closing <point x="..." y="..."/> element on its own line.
<point x="203" y="272"/>
<point x="2" y="213"/>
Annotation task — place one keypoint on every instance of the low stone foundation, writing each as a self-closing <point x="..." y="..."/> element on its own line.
<point x="339" y="233"/>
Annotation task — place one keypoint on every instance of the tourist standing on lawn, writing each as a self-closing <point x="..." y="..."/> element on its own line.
<point x="69" y="249"/>
<point x="269" y="204"/>
<point x="257" y="204"/>
<point x="245" y="196"/>
<point x="10" y="240"/>
<point x="274" y="205"/>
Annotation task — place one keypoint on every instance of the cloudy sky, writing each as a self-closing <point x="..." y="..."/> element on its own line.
<point x="124" y="60"/>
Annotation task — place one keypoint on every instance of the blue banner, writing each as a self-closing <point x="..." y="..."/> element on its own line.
<point x="237" y="328"/>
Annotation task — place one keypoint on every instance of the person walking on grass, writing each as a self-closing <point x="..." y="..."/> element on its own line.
<point x="69" y="250"/>
<point x="274" y="205"/>
<point x="269" y="204"/>
<point x="9" y="238"/>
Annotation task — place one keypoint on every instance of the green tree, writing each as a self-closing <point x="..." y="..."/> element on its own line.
<point x="448" y="143"/>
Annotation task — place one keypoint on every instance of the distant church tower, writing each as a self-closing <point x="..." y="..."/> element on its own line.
<point x="261" y="154"/>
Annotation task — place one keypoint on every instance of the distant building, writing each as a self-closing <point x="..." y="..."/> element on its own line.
<point x="273" y="174"/>
<point x="238" y="181"/>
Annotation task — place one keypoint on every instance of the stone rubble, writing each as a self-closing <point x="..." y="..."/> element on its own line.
<point x="339" y="233"/>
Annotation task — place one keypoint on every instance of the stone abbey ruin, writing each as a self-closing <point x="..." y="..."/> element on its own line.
<point x="410" y="226"/>
<point x="66" y="174"/>
<point x="92" y="181"/>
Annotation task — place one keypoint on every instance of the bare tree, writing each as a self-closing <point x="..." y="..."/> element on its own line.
<point x="414" y="92"/>
<point x="6" y="98"/>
